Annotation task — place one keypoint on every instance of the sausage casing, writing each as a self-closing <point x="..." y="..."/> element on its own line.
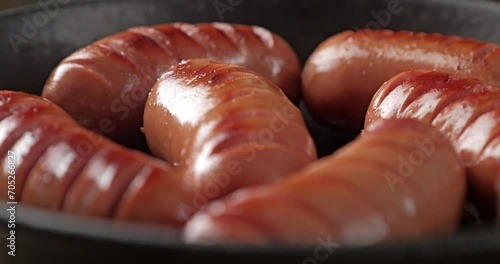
<point x="464" y="109"/>
<point x="345" y="71"/>
<point x="382" y="186"/>
<point x="54" y="163"/>
<point x="104" y="86"/>
<point x="228" y="126"/>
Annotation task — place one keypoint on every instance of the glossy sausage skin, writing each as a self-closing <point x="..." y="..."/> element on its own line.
<point x="464" y="109"/>
<point x="58" y="165"/>
<point x="104" y="86"/>
<point x="344" y="72"/>
<point x="382" y="186"/>
<point x="228" y="126"/>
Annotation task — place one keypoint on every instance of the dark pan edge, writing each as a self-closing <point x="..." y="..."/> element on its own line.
<point x="460" y="246"/>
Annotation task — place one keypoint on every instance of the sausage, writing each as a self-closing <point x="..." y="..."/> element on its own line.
<point x="58" y="165"/>
<point x="382" y="186"/>
<point x="104" y="86"/>
<point x="344" y="72"/>
<point x="464" y="109"/>
<point x="228" y="126"/>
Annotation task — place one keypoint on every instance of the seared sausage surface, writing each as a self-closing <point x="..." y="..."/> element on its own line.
<point x="58" y="165"/>
<point x="104" y="86"/>
<point x="464" y="109"/>
<point x="384" y="185"/>
<point x="344" y="72"/>
<point x="228" y="126"/>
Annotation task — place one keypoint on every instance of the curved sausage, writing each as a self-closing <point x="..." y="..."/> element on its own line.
<point x="464" y="109"/>
<point x="344" y="72"/>
<point x="382" y="186"/>
<point x="228" y="126"/>
<point x="104" y="86"/>
<point x="58" y="165"/>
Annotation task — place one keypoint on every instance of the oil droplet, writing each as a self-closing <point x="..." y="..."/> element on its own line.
<point x="363" y="72"/>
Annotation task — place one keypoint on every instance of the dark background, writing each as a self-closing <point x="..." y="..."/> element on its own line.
<point x="5" y="4"/>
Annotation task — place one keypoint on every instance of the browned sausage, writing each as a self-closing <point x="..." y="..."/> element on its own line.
<point x="464" y="109"/>
<point x="385" y="185"/>
<point x="228" y="126"/>
<point x="55" y="164"/>
<point x="344" y="72"/>
<point x="104" y="86"/>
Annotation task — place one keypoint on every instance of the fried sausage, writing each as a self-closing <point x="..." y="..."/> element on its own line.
<point x="58" y="165"/>
<point x="228" y="126"/>
<point x="384" y="185"/>
<point x="344" y="72"/>
<point x="464" y="109"/>
<point x="104" y="86"/>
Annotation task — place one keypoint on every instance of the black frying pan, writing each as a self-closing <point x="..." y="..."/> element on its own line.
<point x="47" y="237"/>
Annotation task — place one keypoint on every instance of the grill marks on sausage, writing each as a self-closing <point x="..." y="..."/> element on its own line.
<point x="446" y="85"/>
<point x="27" y="125"/>
<point x="102" y="182"/>
<point x="236" y="123"/>
<point x="17" y="103"/>
<point x="35" y="142"/>
<point x="228" y="39"/>
<point x="160" y="38"/>
<point x="482" y="50"/>
<point x="491" y="139"/>
<point x="467" y="112"/>
<point x="351" y="204"/>
<point x="350" y="62"/>
<point x="335" y="182"/>
<point x="21" y="121"/>
<point x="300" y="207"/>
<point x="124" y="67"/>
<point x="484" y="108"/>
<point x="237" y="107"/>
<point x="191" y="35"/>
<point x="90" y="183"/>
<point x="456" y="90"/>
<point x="87" y="66"/>
<point x="426" y="84"/>
<point x="37" y="187"/>
<point x="453" y="93"/>
<point x="120" y="54"/>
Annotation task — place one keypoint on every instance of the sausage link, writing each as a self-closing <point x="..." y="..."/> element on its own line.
<point x="464" y="109"/>
<point x="104" y="86"/>
<point x="345" y="71"/>
<point x="228" y="126"/>
<point x="61" y="166"/>
<point x="382" y="186"/>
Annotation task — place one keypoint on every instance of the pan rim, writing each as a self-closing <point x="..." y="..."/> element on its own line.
<point x="89" y="228"/>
